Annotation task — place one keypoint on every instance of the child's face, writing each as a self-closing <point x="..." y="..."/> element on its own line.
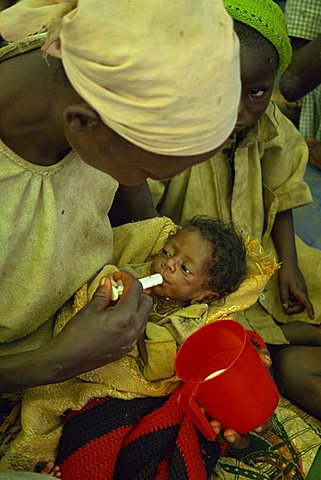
<point x="257" y="76"/>
<point x="183" y="263"/>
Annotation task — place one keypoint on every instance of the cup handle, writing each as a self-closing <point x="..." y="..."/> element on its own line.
<point x="188" y="403"/>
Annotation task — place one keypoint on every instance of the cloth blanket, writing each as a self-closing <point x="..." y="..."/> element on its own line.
<point x="143" y="438"/>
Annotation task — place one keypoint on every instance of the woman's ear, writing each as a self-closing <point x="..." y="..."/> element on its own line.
<point x="207" y="296"/>
<point x="81" y="117"/>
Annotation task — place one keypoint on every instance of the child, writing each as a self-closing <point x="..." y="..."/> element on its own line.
<point x="255" y="181"/>
<point x="202" y="261"/>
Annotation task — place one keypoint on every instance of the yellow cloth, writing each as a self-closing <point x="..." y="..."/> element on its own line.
<point x="269" y="165"/>
<point x="144" y="65"/>
<point x="43" y="407"/>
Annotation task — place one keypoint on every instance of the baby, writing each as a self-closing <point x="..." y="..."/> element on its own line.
<point x="204" y="261"/>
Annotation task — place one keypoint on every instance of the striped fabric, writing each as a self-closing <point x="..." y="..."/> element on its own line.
<point x="140" y="439"/>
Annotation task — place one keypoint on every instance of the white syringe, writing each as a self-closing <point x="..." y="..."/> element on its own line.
<point x="147" y="282"/>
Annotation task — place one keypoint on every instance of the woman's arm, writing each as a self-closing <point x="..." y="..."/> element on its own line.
<point x="95" y="336"/>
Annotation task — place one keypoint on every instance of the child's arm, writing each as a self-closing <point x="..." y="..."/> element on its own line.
<point x="293" y="290"/>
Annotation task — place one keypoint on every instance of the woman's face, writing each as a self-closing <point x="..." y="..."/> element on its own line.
<point x="129" y="165"/>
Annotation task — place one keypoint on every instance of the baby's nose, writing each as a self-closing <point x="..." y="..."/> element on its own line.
<point x="171" y="263"/>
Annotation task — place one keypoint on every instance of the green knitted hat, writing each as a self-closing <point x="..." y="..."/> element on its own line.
<point x="267" y="18"/>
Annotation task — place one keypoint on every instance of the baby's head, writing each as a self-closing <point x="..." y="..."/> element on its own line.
<point x="204" y="261"/>
<point x="265" y="52"/>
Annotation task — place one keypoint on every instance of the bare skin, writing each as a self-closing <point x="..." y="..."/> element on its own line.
<point x="301" y="77"/>
<point x="304" y="72"/>
<point x="49" y="468"/>
<point x="314" y="152"/>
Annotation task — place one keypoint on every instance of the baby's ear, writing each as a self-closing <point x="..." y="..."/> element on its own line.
<point x="207" y="296"/>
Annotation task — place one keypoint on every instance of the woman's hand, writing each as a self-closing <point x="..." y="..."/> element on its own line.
<point x="100" y="333"/>
<point x="293" y="290"/>
<point x="97" y="335"/>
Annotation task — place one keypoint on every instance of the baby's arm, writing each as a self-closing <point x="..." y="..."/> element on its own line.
<point x="158" y="351"/>
<point x="161" y="340"/>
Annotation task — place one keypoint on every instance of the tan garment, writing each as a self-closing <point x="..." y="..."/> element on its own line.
<point x="51" y="216"/>
<point x="269" y="165"/>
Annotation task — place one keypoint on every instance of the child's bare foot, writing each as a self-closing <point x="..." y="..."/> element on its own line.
<point x="51" y="469"/>
<point x="314" y="152"/>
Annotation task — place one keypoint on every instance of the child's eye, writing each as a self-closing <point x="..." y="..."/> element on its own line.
<point x="185" y="269"/>
<point x="165" y="252"/>
<point x="257" y="92"/>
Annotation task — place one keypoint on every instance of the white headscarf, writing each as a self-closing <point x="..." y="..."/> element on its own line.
<point x="164" y="74"/>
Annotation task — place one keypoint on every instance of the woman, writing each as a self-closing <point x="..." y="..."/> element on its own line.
<point x="120" y="86"/>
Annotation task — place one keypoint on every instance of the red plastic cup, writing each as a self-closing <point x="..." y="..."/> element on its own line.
<point x="242" y="396"/>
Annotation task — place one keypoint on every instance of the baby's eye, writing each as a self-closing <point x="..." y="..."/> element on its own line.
<point x="257" y="92"/>
<point x="165" y="252"/>
<point x="185" y="269"/>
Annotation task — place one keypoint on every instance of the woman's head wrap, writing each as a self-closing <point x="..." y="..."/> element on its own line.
<point x="164" y="74"/>
<point x="267" y="18"/>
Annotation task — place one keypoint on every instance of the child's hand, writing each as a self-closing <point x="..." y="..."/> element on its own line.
<point x="233" y="438"/>
<point x="293" y="290"/>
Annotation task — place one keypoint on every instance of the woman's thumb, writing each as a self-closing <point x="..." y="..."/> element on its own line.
<point x="102" y="295"/>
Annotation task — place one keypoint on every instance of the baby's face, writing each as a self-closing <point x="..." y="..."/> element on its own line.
<point x="183" y="263"/>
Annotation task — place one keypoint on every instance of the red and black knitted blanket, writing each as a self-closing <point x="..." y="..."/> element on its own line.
<point x="140" y="439"/>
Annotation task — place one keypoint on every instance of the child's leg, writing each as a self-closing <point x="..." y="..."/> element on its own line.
<point x="297" y="372"/>
<point x="51" y="469"/>
<point x="302" y="334"/>
<point x="297" y="368"/>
